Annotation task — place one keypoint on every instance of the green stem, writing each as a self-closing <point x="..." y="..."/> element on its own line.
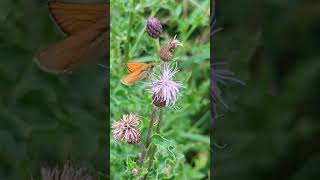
<point x="158" y="47"/>
<point x="206" y="12"/>
<point x="127" y="44"/>
<point x="150" y="126"/>
<point x="185" y="9"/>
<point x="138" y="39"/>
<point x="144" y="151"/>
<point x="160" y="120"/>
<point x="154" y="150"/>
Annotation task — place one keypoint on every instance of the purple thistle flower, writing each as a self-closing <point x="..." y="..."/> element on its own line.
<point x="164" y="90"/>
<point x="125" y="129"/>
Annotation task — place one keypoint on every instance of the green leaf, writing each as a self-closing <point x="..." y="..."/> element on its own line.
<point x="158" y="140"/>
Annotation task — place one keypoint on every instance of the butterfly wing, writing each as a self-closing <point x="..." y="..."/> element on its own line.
<point x="73" y="50"/>
<point x="136" y="66"/>
<point x="87" y="26"/>
<point x="73" y="18"/>
<point x="133" y="77"/>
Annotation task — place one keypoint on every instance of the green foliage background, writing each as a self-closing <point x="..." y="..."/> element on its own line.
<point x="272" y="127"/>
<point x="45" y="119"/>
<point x="185" y="126"/>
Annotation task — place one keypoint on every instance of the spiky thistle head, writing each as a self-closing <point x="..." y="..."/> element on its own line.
<point x="165" y="91"/>
<point x="126" y="129"/>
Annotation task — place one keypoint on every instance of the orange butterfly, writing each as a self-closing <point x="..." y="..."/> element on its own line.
<point x="86" y="28"/>
<point x="138" y="71"/>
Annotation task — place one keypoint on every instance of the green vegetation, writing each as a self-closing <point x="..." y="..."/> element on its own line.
<point x="183" y="144"/>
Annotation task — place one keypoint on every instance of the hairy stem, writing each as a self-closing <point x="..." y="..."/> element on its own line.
<point x="144" y="151"/>
<point x="159" y="120"/>
<point x="143" y="155"/>
<point x="141" y="146"/>
<point x="153" y="114"/>
<point x="158" y="46"/>
<point x="153" y="153"/>
<point x="154" y="150"/>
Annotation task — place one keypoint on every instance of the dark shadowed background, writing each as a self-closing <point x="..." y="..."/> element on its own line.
<point x="45" y="119"/>
<point x="272" y="128"/>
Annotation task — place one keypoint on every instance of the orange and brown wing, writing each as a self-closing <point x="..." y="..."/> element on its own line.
<point x="136" y="66"/>
<point x="74" y="17"/>
<point x="73" y="50"/>
<point x="133" y="77"/>
<point x="87" y="26"/>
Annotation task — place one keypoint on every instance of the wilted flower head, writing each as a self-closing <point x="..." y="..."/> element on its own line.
<point x="166" y="53"/>
<point x="125" y="129"/>
<point x="69" y="172"/>
<point x="154" y="27"/>
<point x="164" y="90"/>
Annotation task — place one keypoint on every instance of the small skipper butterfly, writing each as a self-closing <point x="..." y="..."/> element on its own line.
<point x="138" y="71"/>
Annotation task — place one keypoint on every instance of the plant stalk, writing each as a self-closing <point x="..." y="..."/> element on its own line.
<point x="159" y="120"/>
<point x="153" y="114"/>
<point x="154" y="150"/>
<point x="158" y="46"/>
<point x="127" y="44"/>
<point x="144" y="151"/>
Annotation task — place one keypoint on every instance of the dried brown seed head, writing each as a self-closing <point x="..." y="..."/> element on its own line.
<point x="166" y="53"/>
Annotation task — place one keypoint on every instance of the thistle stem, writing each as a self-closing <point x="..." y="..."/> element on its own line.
<point x="153" y="114"/>
<point x="143" y="155"/>
<point x="200" y="7"/>
<point x="154" y="150"/>
<point x="158" y="45"/>
<point x="141" y="146"/>
<point x="159" y="120"/>
<point x="144" y="151"/>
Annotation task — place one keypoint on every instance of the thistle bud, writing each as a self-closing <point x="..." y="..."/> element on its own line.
<point x="166" y="53"/>
<point x="154" y="27"/>
<point x="157" y="101"/>
<point x="135" y="172"/>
